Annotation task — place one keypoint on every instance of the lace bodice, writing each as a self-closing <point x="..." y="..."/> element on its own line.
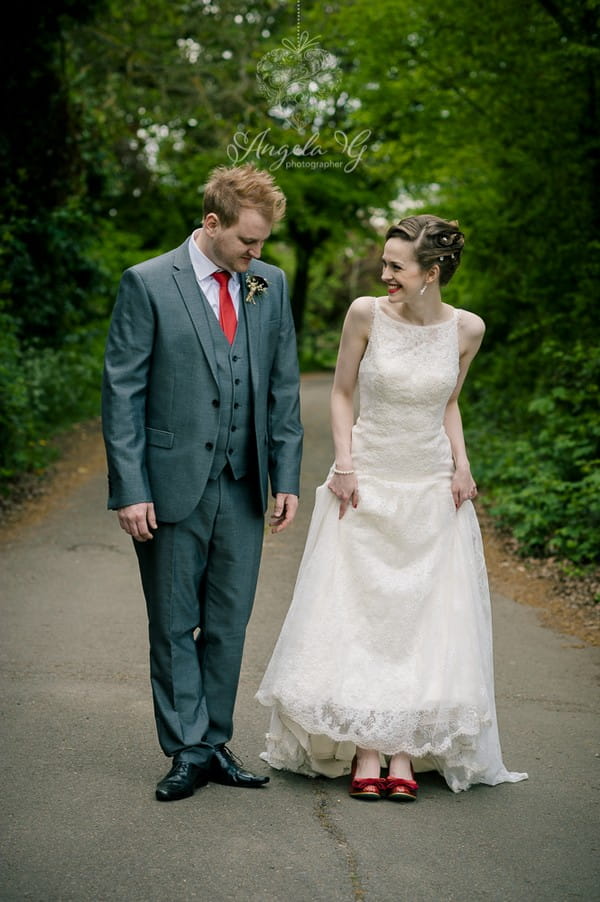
<point x="405" y="380"/>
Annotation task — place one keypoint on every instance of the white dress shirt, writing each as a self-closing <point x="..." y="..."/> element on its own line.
<point x="204" y="268"/>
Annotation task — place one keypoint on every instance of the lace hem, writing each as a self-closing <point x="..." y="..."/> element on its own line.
<point x="418" y="733"/>
<point x="467" y="760"/>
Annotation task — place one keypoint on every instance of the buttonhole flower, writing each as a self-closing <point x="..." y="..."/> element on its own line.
<point x="255" y="285"/>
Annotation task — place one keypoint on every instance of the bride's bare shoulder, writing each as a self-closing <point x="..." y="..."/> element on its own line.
<point x="361" y="309"/>
<point x="471" y="324"/>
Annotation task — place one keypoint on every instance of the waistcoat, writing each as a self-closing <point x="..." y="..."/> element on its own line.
<point x="235" y="440"/>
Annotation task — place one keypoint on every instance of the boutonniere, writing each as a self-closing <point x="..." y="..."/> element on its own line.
<point x="255" y="285"/>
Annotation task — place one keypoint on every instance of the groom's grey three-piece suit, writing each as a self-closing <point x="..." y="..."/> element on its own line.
<point x="199" y="427"/>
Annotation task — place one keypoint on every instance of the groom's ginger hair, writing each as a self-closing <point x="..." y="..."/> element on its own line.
<point x="229" y="189"/>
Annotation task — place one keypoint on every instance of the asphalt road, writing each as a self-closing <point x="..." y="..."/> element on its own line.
<point x="80" y="758"/>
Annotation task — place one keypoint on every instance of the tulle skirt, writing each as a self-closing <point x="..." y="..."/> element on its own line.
<point x="387" y="643"/>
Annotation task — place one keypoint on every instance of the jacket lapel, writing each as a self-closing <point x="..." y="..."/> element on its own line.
<point x="195" y="303"/>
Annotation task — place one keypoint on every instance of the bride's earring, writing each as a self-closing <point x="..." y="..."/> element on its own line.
<point x="424" y="288"/>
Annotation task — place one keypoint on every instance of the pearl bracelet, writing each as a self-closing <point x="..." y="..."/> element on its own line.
<point x="342" y="472"/>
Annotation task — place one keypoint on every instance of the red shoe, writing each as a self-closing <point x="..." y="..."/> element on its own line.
<point x="399" y="790"/>
<point x="370" y="789"/>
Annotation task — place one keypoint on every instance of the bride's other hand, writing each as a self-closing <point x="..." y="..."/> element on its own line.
<point x="463" y="486"/>
<point x="346" y="489"/>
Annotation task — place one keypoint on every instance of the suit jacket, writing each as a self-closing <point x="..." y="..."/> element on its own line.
<point x="159" y="418"/>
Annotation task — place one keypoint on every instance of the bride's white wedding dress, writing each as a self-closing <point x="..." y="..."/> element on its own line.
<point x="387" y="643"/>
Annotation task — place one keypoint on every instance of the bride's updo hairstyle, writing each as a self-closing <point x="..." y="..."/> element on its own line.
<point x="435" y="241"/>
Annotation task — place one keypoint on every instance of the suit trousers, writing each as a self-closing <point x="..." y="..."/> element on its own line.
<point x="199" y="579"/>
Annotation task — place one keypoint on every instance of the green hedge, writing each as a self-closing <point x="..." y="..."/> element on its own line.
<point x="540" y="475"/>
<point x="42" y="391"/>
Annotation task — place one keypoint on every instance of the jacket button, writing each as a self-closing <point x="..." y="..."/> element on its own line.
<point x="233" y="428"/>
<point x="237" y="381"/>
<point x="209" y="446"/>
<point x="236" y="405"/>
<point x="235" y="358"/>
<point x="216" y="403"/>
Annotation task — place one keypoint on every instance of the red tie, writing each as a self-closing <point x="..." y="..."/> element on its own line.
<point x="227" y="317"/>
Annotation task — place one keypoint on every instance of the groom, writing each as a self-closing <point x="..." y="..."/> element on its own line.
<point x="200" y="410"/>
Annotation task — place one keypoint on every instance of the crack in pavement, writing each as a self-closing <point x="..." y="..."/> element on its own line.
<point x="325" y="819"/>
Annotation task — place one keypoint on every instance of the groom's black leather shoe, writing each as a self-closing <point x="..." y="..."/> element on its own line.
<point x="181" y="781"/>
<point x="226" y="770"/>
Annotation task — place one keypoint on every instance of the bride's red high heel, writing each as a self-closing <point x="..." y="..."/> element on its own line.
<point x="399" y="790"/>
<point x="370" y="789"/>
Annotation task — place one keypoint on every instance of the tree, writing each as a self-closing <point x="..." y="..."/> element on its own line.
<point x="44" y="176"/>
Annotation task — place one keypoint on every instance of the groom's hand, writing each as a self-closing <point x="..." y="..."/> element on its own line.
<point x="137" y="520"/>
<point x="284" y="511"/>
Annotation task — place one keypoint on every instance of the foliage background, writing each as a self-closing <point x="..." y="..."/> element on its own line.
<point x="114" y="114"/>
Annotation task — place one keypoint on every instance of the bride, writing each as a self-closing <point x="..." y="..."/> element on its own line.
<point x="385" y="656"/>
